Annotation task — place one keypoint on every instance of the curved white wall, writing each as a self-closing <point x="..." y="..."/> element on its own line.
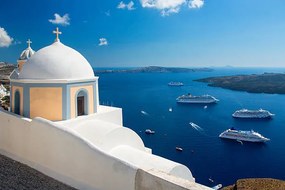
<point x="73" y="159"/>
<point x="107" y="135"/>
<point x="63" y="156"/>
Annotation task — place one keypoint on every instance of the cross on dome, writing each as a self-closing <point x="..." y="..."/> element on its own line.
<point x="29" y="42"/>
<point x="57" y="32"/>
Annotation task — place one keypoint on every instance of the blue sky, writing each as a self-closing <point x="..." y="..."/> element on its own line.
<point x="187" y="33"/>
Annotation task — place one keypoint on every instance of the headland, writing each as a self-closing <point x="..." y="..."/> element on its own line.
<point x="271" y="83"/>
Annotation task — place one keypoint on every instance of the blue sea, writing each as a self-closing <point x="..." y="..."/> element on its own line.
<point x="146" y="99"/>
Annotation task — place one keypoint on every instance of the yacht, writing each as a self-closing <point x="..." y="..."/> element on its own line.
<point x="175" y="83"/>
<point x="204" y="99"/>
<point x="254" y="114"/>
<point x="179" y="149"/>
<point x="250" y="136"/>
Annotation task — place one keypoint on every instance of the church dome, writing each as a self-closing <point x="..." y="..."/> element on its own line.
<point x="57" y="61"/>
<point x="27" y="53"/>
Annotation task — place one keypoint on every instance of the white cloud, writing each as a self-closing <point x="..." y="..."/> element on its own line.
<point x="60" y="20"/>
<point x="162" y="4"/>
<point x="167" y="12"/>
<point x="103" y="42"/>
<point x="167" y="7"/>
<point x="129" y="6"/>
<point x="5" y="39"/>
<point x="196" y="4"/>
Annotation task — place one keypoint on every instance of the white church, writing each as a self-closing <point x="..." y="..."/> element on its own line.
<point x="56" y="126"/>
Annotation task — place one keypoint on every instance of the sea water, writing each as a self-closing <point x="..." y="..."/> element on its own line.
<point x="146" y="100"/>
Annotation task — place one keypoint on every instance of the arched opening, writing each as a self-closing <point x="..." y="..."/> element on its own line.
<point x="82" y="103"/>
<point x="17" y="103"/>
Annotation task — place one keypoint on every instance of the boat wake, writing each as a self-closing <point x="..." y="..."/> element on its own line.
<point x="240" y="142"/>
<point x="196" y="127"/>
<point x="144" y="113"/>
<point x="200" y="130"/>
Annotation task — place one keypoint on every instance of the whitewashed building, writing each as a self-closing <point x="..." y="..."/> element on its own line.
<point x="3" y="92"/>
<point x="57" y="126"/>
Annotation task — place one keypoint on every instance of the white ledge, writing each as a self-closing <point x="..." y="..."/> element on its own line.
<point x="52" y="81"/>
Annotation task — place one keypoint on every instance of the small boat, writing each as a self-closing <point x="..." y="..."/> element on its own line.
<point x="170" y="109"/>
<point x="217" y="187"/>
<point x="144" y="113"/>
<point x="175" y="83"/>
<point x="194" y="125"/>
<point x="211" y="180"/>
<point x="179" y="149"/>
<point x="148" y="131"/>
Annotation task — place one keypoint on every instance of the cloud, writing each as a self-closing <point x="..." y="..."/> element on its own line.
<point x="167" y="12"/>
<point x="64" y="20"/>
<point x="103" y="42"/>
<point x="167" y="7"/>
<point x="129" y="6"/>
<point x="5" y="39"/>
<point x="195" y="4"/>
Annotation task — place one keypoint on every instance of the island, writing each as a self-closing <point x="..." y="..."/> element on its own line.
<point x="271" y="83"/>
<point x="153" y="69"/>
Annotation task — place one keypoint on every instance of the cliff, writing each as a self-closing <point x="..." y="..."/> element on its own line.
<point x="257" y="184"/>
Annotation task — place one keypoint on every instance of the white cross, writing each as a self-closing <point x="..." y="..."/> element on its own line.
<point x="57" y="32"/>
<point x="29" y="42"/>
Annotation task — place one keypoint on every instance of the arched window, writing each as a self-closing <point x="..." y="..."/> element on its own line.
<point x="17" y="103"/>
<point x="82" y="102"/>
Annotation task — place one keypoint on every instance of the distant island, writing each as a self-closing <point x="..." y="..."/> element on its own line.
<point x="271" y="83"/>
<point x="153" y="69"/>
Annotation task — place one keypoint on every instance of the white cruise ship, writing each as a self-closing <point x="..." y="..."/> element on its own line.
<point x="249" y="136"/>
<point x="254" y="114"/>
<point x="175" y="83"/>
<point x="204" y="99"/>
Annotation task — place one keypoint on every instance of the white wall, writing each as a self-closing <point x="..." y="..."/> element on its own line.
<point x="60" y="153"/>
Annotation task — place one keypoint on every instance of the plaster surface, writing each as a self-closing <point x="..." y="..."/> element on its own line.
<point x="46" y="102"/>
<point x="56" y="61"/>
<point x="90" y="153"/>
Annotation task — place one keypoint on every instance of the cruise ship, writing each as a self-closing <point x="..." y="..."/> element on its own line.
<point x="204" y="99"/>
<point x="254" y="114"/>
<point x="175" y="83"/>
<point x="250" y="136"/>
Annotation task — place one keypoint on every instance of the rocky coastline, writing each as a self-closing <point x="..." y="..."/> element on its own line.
<point x="257" y="184"/>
